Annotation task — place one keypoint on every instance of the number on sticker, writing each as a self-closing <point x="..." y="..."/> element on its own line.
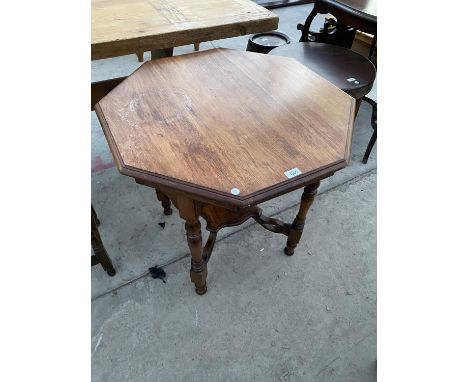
<point x="292" y="173"/>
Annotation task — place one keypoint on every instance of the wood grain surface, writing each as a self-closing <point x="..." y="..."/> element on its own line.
<point x="212" y="121"/>
<point x="121" y="27"/>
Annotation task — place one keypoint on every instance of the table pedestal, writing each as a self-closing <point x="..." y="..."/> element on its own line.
<point x="218" y="217"/>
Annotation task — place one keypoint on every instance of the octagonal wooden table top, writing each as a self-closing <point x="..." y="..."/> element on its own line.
<point x="121" y="27"/>
<point x="238" y="127"/>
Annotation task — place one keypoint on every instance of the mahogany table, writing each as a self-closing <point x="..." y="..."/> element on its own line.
<point x="220" y="131"/>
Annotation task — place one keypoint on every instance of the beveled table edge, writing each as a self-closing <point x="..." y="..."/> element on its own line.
<point x="224" y="198"/>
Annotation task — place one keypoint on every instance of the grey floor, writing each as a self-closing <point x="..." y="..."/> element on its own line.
<point x="266" y="316"/>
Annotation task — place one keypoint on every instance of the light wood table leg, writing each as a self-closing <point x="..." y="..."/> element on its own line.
<point x="298" y="225"/>
<point x="198" y="268"/>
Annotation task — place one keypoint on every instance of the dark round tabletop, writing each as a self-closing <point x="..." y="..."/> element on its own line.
<point x="365" y="6"/>
<point x="348" y="70"/>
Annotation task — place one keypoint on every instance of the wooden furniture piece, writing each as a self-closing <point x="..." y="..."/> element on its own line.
<point x="100" y="254"/>
<point x="140" y="57"/>
<point x="120" y="27"/>
<point x="343" y="67"/>
<point x="350" y="71"/>
<point x="373" y="139"/>
<point x="351" y="15"/>
<point x="266" y="41"/>
<point x="364" y="44"/>
<point x="219" y="131"/>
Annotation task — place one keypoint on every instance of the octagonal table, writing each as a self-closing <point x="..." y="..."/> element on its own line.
<point x="218" y="132"/>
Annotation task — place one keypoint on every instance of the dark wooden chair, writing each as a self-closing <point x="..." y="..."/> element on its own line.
<point x="348" y="70"/>
<point x="350" y="15"/>
<point x="100" y="254"/>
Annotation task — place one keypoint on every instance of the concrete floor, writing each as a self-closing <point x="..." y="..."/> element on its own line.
<point x="266" y="316"/>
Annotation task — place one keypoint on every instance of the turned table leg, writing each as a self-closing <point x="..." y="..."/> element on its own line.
<point x="298" y="225"/>
<point x="165" y="201"/>
<point x="198" y="269"/>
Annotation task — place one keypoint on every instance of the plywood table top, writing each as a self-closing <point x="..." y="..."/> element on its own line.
<point x="121" y="27"/>
<point x="237" y="127"/>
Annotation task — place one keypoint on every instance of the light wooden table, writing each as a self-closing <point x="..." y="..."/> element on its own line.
<point x="120" y="27"/>
<point x="220" y="131"/>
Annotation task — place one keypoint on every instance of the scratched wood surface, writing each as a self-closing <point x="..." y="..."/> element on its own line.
<point x="223" y="119"/>
<point x="121" y="27"/>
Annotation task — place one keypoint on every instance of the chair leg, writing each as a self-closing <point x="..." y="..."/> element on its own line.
<point x="374" y="126"/>
<point x="93" y="212"/>
<point x="357" y="107"/>
<point x="100" y="254"/>
<point x="369" y="147"/>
